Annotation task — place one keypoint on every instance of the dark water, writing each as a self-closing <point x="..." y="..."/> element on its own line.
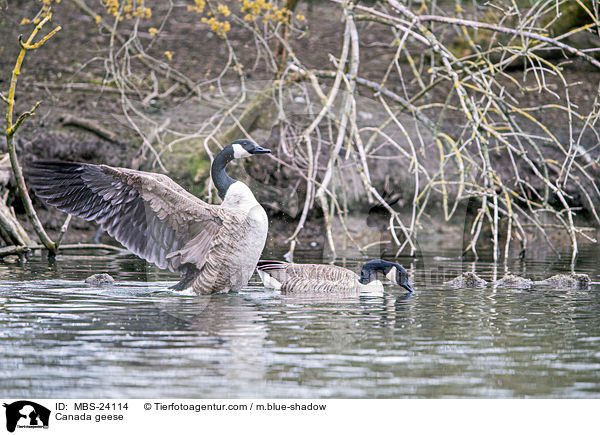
<point x="62" y="339"/>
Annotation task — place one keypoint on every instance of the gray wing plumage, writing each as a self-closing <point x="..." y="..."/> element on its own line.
<point x="148" y="213"/>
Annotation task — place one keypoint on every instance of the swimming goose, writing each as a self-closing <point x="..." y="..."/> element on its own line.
<point x="325" y="278"/>
<point x="214" y="247"/>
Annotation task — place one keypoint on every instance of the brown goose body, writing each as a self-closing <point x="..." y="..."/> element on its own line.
<point x="313" y="278"/>
<point x="215" y="247"/>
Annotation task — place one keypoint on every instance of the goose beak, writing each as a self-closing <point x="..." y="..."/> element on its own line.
<point x="408" y="287"/>
<point x="260" y="150"/>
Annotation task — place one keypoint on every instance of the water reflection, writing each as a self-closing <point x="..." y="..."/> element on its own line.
<point x="61" y="338"/>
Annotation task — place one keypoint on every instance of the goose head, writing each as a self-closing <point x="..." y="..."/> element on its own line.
<point x="393" y="271"/>
<point x="245" y="148"/>
<point x="237" y="149"/>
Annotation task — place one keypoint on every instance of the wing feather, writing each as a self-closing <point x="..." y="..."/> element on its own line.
<point x="148" y="213"/>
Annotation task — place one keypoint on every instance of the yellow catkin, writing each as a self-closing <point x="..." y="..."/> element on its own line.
<point x="251" y="10"/>
<point x="224" y="10"/>
<point x="46" y="9"/>
<point x="198" y="6"/>
<point x="129" y="9"/>
<point x="263" y="9"/>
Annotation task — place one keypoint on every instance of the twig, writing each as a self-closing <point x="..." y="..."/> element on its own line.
<point x="144" y="58"/>
<point x="63" y="230"/>
<point x="11" y="129"/>
<point x="11" y="250"/>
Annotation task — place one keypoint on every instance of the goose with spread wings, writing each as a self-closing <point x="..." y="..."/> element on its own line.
<point x="214" y="247"/>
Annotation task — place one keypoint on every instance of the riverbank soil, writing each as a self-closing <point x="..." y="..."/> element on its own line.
<point x="82" y="115"/>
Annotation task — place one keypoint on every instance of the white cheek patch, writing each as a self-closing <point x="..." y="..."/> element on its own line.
<point x="391" y="275"/>
<point x="239" y="152"/>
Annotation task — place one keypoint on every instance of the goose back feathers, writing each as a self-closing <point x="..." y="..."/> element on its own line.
<point x="318" y="278"/>
<point x="324" y="278"/>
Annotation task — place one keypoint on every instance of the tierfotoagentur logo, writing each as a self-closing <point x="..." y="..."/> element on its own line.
<point x="24" y="414"/>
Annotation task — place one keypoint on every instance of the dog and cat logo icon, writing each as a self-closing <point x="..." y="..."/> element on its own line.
<point x="26" y="414"/>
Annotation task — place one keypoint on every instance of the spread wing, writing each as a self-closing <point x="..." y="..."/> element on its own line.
<point x="148" y="213"/>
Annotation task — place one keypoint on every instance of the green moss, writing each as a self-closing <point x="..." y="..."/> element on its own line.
<point x="188" y="163"/>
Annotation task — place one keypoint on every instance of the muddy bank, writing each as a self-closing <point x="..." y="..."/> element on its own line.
<point x="72" y="83"/>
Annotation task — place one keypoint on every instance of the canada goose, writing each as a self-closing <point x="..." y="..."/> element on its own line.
<point x="215" y="247"/>
<point x="324" y="278"/>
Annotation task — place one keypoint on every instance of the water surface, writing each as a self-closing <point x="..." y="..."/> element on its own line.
<point x="60" y="338"/>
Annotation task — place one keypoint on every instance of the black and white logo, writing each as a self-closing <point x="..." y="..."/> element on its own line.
<point x="26" y="414"/>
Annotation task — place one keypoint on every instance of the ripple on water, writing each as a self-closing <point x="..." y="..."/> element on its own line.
<point x="62" y="338"/>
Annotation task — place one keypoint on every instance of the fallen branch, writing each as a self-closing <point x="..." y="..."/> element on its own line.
<point x="15" y="250"/>
<point x="12" y="228"/>
<point x="82" y="87"/>
<point x="91" y="126"/>
<point x="75" y="246"/>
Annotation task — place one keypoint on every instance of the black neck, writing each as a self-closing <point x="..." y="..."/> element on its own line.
<point x="370" y="275"/>
<point x="219" y="176"/>
<point x="370" y="269"/>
